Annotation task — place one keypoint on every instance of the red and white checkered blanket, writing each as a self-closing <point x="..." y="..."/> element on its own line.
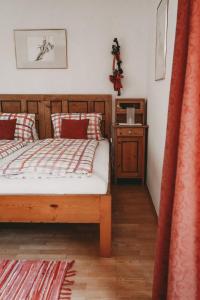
<point x="9" y="146"/>
<point x="53" y="157"/>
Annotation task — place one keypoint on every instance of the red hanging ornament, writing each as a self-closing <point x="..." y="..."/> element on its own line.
<point x="116" y="77"/>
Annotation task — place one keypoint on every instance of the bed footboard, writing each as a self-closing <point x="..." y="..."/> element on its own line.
<point x="61" y="209"/>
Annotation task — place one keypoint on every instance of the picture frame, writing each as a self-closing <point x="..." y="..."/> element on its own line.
<point x="40" y="48"/>
<point x="161" y="40"/>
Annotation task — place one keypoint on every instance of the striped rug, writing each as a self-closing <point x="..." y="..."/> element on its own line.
<point x="35" y="280"/>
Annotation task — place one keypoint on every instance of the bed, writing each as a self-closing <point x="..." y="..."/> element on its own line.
<point x="51" y="206"/>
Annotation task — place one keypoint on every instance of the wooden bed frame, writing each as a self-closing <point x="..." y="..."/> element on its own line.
<point x="60" y="208"/>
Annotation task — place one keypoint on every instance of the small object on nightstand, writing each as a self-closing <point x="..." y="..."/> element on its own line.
<point x="129" y="147"/>
<point x="130" y="115"/>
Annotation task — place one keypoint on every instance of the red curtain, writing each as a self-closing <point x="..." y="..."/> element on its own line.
<point x="177" y="262"/>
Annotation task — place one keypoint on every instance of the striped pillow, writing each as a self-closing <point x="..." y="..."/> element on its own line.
<point x="94" y="126"/>
<point x="25" y="124"/>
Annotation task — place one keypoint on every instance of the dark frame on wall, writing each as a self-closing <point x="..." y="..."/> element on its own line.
<point x="161" y="39"/>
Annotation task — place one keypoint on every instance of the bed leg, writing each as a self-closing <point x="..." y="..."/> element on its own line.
<point x="105" y="226"/>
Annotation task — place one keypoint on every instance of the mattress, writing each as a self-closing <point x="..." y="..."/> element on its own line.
<point x="97" y="183"/>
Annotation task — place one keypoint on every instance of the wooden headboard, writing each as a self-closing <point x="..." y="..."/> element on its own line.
<point x="44" y="105"/>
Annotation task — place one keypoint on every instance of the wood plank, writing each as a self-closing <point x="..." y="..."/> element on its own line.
<point x="50" y="209"/>
<point x="105" y="226"/>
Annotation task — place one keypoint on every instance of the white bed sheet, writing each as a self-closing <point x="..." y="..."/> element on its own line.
<point x="95" y="184"/>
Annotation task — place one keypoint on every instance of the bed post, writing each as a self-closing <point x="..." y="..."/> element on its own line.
<point x="105" y="225"/>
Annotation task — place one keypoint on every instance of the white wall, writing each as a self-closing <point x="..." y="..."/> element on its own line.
<point x="91" y="26"/>
<point x="158" y="98"/>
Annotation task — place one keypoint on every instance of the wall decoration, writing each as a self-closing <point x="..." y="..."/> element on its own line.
<point x="161" y="40"/>
<point x="116" y="76"/>
<point x="41" y="48"/>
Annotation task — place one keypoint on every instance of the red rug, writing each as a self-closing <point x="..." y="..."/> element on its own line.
<point x="35" y="280"/>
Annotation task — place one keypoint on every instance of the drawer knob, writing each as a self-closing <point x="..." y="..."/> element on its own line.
<point x="130" y="131"/>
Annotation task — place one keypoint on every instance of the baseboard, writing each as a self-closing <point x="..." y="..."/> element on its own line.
<point x="152" y="204"/>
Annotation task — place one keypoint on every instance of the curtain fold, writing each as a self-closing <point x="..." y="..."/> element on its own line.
<point x="177" y="266"/>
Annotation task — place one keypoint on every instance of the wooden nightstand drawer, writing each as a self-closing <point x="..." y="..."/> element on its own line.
<point x="130" y="131"/>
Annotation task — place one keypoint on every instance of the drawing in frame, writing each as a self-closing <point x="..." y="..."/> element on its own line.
<point x="41" y="48"/>
<point x="161" y="40"/>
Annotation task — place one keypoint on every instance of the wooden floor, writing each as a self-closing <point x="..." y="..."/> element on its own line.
<point x="125" y="276"/>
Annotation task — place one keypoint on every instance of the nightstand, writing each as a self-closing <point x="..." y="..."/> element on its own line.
<point x="129" y="151"/>
<point x="129" y="141"/>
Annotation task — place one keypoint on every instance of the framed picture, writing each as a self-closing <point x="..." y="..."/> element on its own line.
<point x="161" y="40"/>
<point x="41" y="48"/>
